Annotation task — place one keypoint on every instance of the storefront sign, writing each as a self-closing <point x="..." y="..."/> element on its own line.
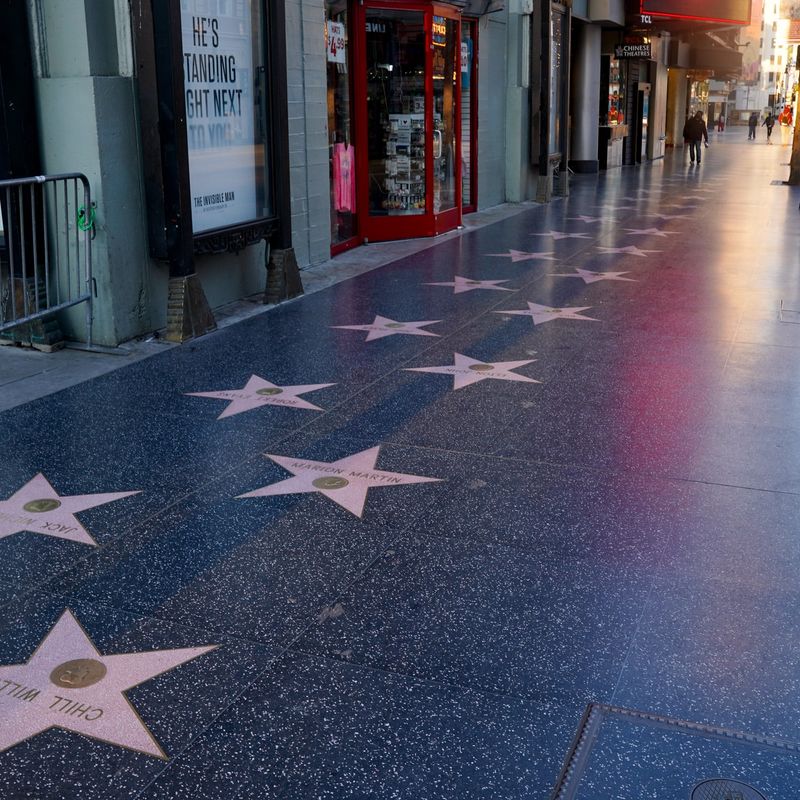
<point x="219" y="86"/>
<point x="464" y="57"/>
<point x="638" y="49"/>
<point x="439" y="31"/>
<point x="335" y="42"/>
<point x="734" y="11"/>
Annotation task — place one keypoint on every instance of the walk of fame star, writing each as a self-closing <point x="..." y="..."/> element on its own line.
<point x="259" y="392"/>
<point x="649" y="232"/>
<point x="466" y="370"/>
<point x="37" y="507"/>
<point x="584" y="218"/>
<point x="461" y="285"/>
<point x="556" y="235"/>
<point x="67" y="684"/>
<point x="630" y="250"/>
<point x="383" y="326"/>
<point x="589" y="276"/>
<point x="345" y="481"/>
<point x="541" y="314"/>
<point x="521" y="255"/>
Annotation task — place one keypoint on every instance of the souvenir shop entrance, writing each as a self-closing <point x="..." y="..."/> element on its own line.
<point x="396" y="160"/>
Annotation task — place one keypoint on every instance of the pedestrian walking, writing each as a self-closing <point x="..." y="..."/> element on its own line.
<point x="769" y="121"/>
<point x="752" y="125"/>
<point x="721" y="124"/>
<point x="695" y="133"/>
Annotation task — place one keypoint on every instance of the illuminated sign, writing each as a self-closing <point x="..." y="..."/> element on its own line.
<point x="730" y="11"/>
<point x="439" y="31"/>
<point x="633" y="49"/>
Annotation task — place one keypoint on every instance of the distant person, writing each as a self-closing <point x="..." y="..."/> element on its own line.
<point x="695" y="133"/>
<point x="721" y="124"/>
<point x="769" y="121"/>
<point x="752" y="125"/>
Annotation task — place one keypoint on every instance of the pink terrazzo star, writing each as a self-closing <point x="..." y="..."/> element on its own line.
<point x="541" y="314"/>
<point x="68" y="684"/>
<point x="521" y="255"/>
<point x="37" y="507"/>
<point x="588" y="276"/>
<point x="466" y="370"/>
<point x="383" y="326"/>
<point x="345" y="481"/>
<point x="259" y="392"/>
<point x="461" y="285"/>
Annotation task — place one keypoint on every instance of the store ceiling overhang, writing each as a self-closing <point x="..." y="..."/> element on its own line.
<point x="477" y="8"/>
<point x="718" y="59"/>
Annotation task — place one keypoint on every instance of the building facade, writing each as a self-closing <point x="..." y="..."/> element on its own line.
<point x="229" y="141"/>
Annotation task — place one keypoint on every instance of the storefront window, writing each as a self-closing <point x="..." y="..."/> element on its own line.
<point x="468" y="30"/>
<point x="446" y="57"/>
<point x="396" y="111"/>
<point x="342" y="157"/>
<point x="557" y="22"/>
<point x="226" y="99"/>
<point x="616" y="94"/>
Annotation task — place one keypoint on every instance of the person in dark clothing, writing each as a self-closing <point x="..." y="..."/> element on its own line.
<point x="769" y="121"/>
<point x="694" y="133"/>
<point x="752" y="125"/>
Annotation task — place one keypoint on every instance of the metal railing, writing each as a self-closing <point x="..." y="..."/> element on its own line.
<point x="46" y="232"/>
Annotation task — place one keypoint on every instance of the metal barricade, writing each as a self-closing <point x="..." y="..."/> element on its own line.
<point x="46" y="231"/>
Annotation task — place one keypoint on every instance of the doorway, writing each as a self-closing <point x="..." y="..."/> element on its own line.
<point x="408" y="99"/>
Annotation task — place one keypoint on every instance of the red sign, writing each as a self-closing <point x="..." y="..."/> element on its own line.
<point x="730" y="11"/>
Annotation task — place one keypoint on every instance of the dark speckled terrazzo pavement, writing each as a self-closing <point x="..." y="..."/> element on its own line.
<point x="623" y="532"/>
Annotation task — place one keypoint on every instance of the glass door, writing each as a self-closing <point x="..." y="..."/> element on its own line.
<point x="446" y="57"/>
<point x="395" y="108"/>
<point x="408" y="89"/>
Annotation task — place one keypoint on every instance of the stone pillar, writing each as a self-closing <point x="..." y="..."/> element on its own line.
<point x="676" y="106"/>
<point x="585" y="98"/>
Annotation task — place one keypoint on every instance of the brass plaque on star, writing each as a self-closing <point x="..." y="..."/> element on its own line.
<point x="481" y="367"/>
<point x="331" y="482"/>
<point x="78" y="674"/>
<point x="394" y="324"/>
<point x="41" y="506"/>
<point x="268" y="392"/>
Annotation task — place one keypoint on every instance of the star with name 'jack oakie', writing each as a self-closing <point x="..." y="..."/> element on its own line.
<point x="466" y="370"/>
<point x="541" y="314"/>
<point x="345" y="481"/>
<point x="68" y="684"/>
<point x="556" y="235"/>
<point x="383" y="326"/>
<point x="259" y="392"/>
<point x="461" y="285"/>
<point x="631" y="250"/>
<point x="521" y="255"/>
<point x="37" y="507"/>
<point x="650" y="232"/>
<point x="589" y="276"/>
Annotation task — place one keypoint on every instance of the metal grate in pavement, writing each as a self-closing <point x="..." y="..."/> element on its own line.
<point x="725" y="789"/>
<point x="577" y="758"/>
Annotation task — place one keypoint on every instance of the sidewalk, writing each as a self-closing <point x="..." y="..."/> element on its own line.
<point x="417" y="533"/>
<point x="27" y="374"/>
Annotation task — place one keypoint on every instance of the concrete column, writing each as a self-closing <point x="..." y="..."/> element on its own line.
<point x="585" y="97"/>
<point x="676" y="106"/>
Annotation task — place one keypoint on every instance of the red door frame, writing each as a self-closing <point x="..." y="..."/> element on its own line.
<point x="411" y="226"/>
<point x="472" y="24"/>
